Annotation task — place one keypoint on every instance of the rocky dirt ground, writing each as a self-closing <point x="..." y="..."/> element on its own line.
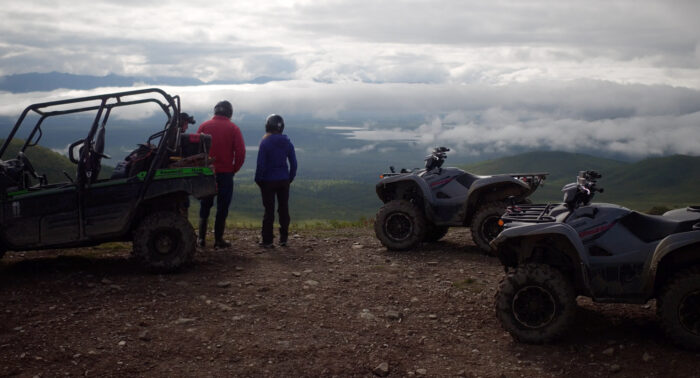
<point x="333" y="303"/>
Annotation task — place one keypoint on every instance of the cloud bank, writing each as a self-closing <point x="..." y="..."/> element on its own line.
<point x="631" y="120"/>
<point x="621" y="77"/>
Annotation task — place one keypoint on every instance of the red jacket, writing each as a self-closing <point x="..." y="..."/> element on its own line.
<point x="227" y="145"/>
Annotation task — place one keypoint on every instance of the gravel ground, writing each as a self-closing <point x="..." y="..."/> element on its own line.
<point x="333" y="303"/>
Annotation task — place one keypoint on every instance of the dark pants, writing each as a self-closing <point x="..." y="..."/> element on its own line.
<point x="224" y="185"/>
<point x="269" y="190"/>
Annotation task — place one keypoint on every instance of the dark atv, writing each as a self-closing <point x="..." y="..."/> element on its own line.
<point x="144" y="202"/>
<point x="421" y="204"/>
<point x="553" y="253"/>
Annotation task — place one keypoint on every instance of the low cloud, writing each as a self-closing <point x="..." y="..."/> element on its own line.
<point x="499" y="131"/>
<point x="355" y="151"/>
<point x="581" y="115"/>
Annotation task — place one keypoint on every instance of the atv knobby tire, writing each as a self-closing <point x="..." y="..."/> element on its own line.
<point x="400" y="225"/>
<point x="485" y="224"/>
<point x="164" y="241"/>
<point x="678" y="307"/>
<point x="434" y="233"/>
<point x="535" y="303"/>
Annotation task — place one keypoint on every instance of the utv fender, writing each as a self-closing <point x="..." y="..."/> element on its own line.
<point x="494" y="188"/>
<point x="683" y="248"/>
<point x="198" y="186"/>
<point x="576" y="251"/>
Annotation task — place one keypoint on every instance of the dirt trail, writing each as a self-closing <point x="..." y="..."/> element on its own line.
<point x="333" y="303"/>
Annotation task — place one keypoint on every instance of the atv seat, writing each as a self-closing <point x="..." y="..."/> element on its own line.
<point x="650" y="228"/>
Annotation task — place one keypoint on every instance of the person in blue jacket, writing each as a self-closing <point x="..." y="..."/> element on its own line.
<point x="273" y="176"/>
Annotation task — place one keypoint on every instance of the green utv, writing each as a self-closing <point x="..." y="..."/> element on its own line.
<point x="144" y="201"/>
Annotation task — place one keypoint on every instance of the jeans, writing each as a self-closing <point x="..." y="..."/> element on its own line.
<point x="224" y="185"/>
<point x="269" y="190"/>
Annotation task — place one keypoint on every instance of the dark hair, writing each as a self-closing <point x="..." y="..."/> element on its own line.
<point x="274" y="124"/>
<point x="223" y="108"/>
<point x="187" y="119"/>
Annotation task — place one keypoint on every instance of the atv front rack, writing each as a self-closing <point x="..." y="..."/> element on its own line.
<point x="529" y="213"/>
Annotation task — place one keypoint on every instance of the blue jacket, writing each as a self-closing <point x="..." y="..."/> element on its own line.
<point x="273" y="153"/>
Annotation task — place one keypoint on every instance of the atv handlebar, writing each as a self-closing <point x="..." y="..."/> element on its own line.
<point x="436" y="158"/>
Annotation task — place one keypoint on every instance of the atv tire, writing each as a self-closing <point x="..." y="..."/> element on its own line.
<point x="678" y="307"/>
<point x="535" y="303"/>
<point x="434" y="233"/>
<point x="485" y="224"/>
<point x="164" y="241"/>
<point x="400" y="225"/>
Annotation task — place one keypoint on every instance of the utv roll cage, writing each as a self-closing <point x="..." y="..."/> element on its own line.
<point x="94" y="142"/>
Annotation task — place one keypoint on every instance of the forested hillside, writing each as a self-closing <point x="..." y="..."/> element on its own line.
<point x="671" y="181"/>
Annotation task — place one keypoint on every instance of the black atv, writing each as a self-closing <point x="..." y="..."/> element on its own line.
<point x="553" y="253"/>
<point x="421" y="204"/>
<point x="145" y="201"/>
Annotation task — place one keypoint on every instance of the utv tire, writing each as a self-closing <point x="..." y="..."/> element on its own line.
<point x="434" y="233"/>
<point x="678" y="307"/>
<point x="164" y="241"/>
<point x="535" y="303"/>
<point x="485" y="224"/>
<point x="400" y="225"/>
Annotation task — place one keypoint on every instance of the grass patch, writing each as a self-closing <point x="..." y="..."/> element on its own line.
<point x="466" y="284"/>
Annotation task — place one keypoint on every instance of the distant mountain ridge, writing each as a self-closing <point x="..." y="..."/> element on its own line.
<point x="38" y="82"/>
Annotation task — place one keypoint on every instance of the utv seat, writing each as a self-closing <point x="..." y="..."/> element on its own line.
<point x="650" y="228"/>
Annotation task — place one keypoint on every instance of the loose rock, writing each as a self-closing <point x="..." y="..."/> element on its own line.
<point x="382" y="369"/>
<point x="365" y="314"/>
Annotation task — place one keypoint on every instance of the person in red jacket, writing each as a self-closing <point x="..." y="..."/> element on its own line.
<point x="228" y="152"/>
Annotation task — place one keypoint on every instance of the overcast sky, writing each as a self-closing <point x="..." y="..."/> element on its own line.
<point x="624" y="75"/>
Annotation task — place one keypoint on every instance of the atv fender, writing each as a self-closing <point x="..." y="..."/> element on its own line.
<point x="494" y="188"/>
<point x="665" y="248"/>
<point x="390" y="184"/>
<point x="530" y="231"/>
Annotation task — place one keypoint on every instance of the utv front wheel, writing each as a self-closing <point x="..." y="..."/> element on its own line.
<point x="164" y="241"/>
<point x="400" y="225"/>
<point x="678" y="307"/>
<point x="535" y="303"/>
<point x="485" y="224"/>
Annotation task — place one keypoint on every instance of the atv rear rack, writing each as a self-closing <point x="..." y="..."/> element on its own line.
<point x="529" y="213"/>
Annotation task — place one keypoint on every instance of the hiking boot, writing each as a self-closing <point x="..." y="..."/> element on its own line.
<point x="266" y="245"/>
<point x="221" y="243"/>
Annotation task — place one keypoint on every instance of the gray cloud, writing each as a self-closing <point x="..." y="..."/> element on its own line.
<point x="622" y="76"/>
<point x="442" y="41"/>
